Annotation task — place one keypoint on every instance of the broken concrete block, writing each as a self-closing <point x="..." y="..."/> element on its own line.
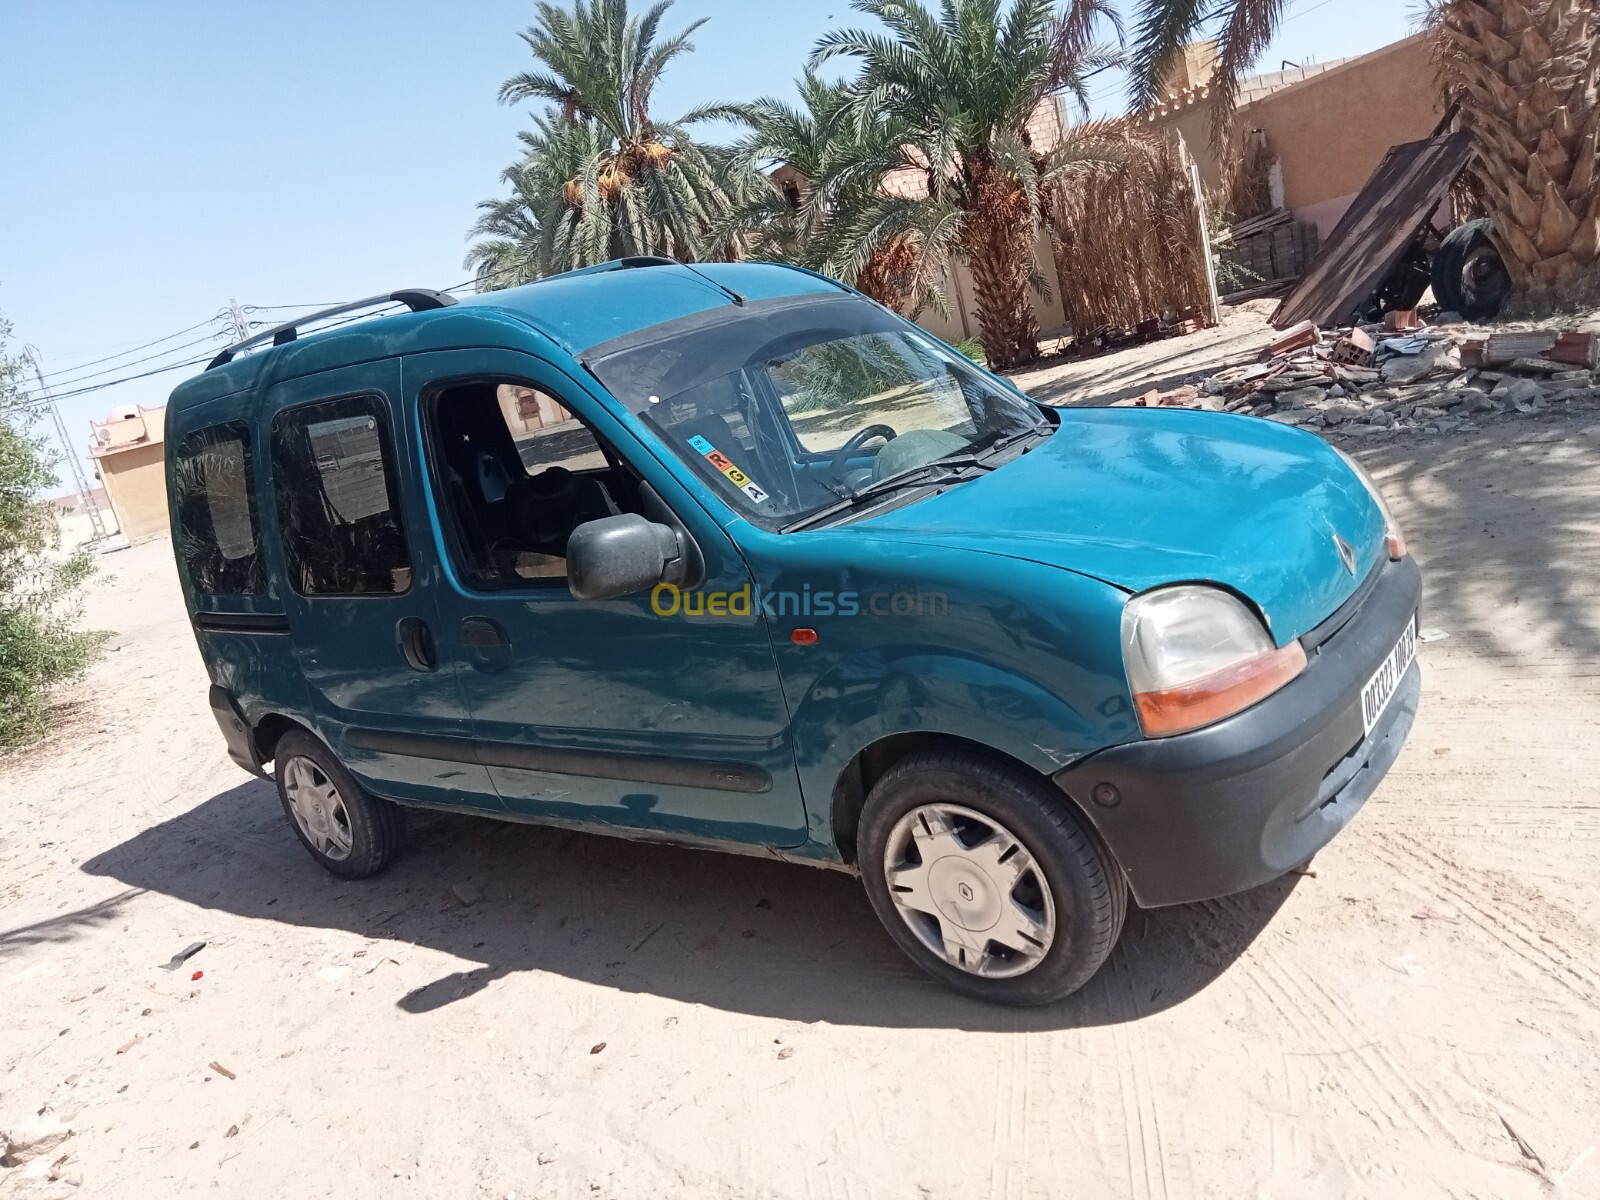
<point x="1300" y="397"/>
<point x="1518" y="392"/>
<point x="1296" y="416"/>
<point x="1535" y="366"/>
<point x="1408" y="369"/>
<point x="29" y="1139"/>
<point x="1337" y="414"/>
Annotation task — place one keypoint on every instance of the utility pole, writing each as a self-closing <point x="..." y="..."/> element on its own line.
<point x="73" y="463"/>
<point x="239" y="324"/>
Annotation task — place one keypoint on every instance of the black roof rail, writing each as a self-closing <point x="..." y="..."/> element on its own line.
<point x="416" y="299"/>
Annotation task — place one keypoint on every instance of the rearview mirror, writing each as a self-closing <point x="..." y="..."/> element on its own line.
<point x="617" y="556"/>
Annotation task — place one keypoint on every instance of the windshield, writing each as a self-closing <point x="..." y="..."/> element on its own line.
<point x="803" y="426"/>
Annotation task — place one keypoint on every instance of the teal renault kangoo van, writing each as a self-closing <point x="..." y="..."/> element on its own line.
<point x="731" y="556"/>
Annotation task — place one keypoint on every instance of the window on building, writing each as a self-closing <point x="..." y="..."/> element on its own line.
<point x="338" y="502"/>
<point x="216" y="512"/>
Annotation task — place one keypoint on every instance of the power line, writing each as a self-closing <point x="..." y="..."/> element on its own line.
<point x="1296" y="16"/>
<point x="255" y="308"/>
<point x="132" y="349"/>
<point x="42" y="398"/>
<point x="36" y="400"/>
<point x="134" y="363"/>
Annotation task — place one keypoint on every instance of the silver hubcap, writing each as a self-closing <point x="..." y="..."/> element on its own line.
<point x="970" y="891"/>
<point x="318" y="808"/>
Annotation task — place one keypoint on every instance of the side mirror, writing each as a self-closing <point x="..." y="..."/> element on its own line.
<point x="617" y="556"/>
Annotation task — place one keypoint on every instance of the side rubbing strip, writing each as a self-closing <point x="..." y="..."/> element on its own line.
<point x="241" y="622"/>
<point x="635" y="768"/>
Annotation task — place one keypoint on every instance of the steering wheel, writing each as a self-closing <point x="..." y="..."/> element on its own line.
<point x="842" y="455"/>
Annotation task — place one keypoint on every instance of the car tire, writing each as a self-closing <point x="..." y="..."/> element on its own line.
<point x="1068" y="883"/>
<point x="351" y="832"/>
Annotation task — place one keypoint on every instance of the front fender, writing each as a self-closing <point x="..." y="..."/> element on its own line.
<point x="893" y="690"/>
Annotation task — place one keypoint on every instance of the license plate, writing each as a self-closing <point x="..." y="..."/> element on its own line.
<point x="1385" y="682"/>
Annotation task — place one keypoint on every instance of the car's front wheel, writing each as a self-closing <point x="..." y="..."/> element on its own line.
<point x="988" y="879"/>
<point x="351" y="832"/>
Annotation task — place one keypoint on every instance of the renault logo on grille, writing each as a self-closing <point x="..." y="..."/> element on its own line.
<point x="1347" y="554"/>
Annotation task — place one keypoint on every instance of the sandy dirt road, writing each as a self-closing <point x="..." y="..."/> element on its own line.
<point x="1421" y="1017"/>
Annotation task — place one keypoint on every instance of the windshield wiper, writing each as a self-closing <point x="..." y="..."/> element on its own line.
<point x="940" y="470"/>
<point x="1011" y="439"/>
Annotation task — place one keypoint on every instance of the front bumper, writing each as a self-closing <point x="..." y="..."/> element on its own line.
<point x="1238" y="803"/>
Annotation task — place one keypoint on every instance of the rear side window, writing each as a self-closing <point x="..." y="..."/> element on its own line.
<point x="216" y="517"/>
<point x="338" y="503"/>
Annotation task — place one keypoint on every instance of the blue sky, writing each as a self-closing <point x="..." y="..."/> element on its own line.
<point x="164" y="156"/>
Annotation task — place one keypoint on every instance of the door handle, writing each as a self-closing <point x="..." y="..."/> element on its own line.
<point x="416" y="644"/>
<point x="487" y="643"/>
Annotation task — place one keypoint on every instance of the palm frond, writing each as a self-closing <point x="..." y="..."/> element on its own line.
<point x="1164" y="27"/>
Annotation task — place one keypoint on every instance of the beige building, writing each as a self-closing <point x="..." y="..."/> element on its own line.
<point x="128" y="450"/>
<point x="1328" y="125"/>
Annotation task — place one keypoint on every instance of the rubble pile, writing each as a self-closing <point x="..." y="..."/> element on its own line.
<point x="1401" y="374"/>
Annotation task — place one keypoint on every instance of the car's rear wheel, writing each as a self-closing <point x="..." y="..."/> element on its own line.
<point x="351" y="832"/>
<point x="988" y="879"/>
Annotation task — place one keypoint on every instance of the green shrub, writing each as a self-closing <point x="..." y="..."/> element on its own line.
<point x="973" y="349"/>
<point x="40" y="643"/>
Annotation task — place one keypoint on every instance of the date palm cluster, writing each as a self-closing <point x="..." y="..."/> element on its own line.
<point x="944" y="141"/>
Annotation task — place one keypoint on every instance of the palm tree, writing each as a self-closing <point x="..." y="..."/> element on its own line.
<point x="600" y="176"/>
<point x="783" y="220"/>
<point x="1521" y="76"/>
<point x="1524" y="77"/>
<point x="946" y="165"/>
<point x="830" y="163"/>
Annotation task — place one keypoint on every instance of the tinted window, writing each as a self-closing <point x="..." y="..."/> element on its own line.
<point x="216" y="517"/>
<point x="338" y="504"/>
<point x="516" y="473"/>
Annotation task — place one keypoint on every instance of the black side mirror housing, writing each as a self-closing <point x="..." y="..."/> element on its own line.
<point x="617" y="556"/>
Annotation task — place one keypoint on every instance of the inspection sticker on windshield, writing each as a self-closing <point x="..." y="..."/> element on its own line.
<point x="732" y="473"/>
<point x="1385" y="683"/>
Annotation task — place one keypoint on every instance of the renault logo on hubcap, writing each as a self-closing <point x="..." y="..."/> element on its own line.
<point x="966" y="891"/>
<point x="1347" y="554"/>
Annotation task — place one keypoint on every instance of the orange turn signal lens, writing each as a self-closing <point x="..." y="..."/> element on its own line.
<point x="1218" y="695"/>
<point x="1396" y="541"/>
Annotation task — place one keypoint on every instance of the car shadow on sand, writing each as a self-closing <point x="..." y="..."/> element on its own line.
<point x="743" y="934"/>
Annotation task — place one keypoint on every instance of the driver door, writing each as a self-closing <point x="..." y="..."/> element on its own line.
<point x="594" y="712"/>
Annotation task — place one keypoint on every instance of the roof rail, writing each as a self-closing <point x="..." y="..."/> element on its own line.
<point x="416" y="299"/>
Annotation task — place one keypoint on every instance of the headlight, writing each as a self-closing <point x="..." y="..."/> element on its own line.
<point x="1391" y="531"/>
<point x="1195" y="655"/>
